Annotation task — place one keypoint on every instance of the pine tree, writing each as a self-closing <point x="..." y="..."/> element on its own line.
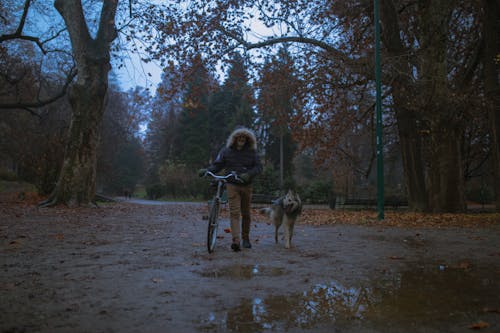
<point x="277" y="88"/>
<point x="194" y="133"/>
<point x="239" y="94"/>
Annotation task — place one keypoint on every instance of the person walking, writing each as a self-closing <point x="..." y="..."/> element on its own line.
<point x="239" y="155"/>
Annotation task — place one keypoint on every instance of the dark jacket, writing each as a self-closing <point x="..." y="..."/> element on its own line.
<point x="242" y="161"/>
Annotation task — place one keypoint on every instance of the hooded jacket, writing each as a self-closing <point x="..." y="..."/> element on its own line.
<point x="242" y="161"/>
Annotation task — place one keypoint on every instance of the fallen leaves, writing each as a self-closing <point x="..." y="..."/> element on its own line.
<point x="479" y="325"/>
<point x="59" y="236"/>
<point x="397" y="218"/>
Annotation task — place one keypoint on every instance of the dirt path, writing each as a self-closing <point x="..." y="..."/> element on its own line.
<point x="144" y="268"/>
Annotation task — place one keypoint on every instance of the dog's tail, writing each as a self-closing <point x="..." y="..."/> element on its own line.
<point x="266" y="211"/>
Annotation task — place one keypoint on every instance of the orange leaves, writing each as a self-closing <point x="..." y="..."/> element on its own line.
<point x="59" y="236"/>
<point x="397" y="219"/>
<point x="479" y="325"/>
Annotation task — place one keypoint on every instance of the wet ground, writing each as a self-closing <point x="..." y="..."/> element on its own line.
<point x="145" y="268"/>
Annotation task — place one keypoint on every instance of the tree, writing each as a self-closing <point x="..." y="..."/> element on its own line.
<point x="491" y="60"/>
<point x="91" y="52"/>
<point x="16" y="75"/>
<point x="239" y="94"/>
<point x="76" y="183"/>
<point x="192" y="137"/>
<point x="120" y="158"/>
<point x="430" y="72"/>
<point x="278" y="92"/>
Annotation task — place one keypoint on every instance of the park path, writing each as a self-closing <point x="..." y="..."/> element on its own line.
<point x="135" y="267"/>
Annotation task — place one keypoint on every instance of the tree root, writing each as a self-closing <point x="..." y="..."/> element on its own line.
<point x="49" y="202"/>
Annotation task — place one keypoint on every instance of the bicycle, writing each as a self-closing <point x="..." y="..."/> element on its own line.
<point x="213" y="217"/>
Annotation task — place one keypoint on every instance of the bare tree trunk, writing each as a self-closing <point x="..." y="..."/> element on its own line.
<point x="492" y="83"/>
<point x="423" y="117"/>
<point x="407" y="117"/>
<point x="76" y="184"/>
<point x="446" y="176"/>
<point x="411" y="151"/>
<point x="444" y="119"/>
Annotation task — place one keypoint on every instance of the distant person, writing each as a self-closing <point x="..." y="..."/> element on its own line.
<point x="239" y="155"/>
<point x="127" y="193"/>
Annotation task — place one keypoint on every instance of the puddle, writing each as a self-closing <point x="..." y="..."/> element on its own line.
<point x="243" y="272"/>
<point x="436" y="298"/>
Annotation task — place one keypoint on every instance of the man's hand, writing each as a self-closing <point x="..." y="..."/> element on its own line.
<point x="202" y="172"/>
<point x="245" y="177"/>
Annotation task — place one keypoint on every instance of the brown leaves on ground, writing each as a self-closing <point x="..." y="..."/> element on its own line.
<point x="27" y="198"/>
<point x="396" y="218"/>
<point x="18" y="207"/>
<point x="479" y="325"/>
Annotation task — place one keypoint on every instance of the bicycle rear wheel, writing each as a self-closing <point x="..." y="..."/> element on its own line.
<point x="213" y="223"/>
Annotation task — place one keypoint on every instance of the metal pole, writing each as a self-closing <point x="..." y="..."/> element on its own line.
<point x="380" y="146"/>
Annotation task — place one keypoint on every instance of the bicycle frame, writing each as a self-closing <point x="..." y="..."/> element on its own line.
<point x="213" y="219"/>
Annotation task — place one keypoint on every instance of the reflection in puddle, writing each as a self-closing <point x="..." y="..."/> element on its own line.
<point x="422" y="297"/>
<point x="243" y="272"/>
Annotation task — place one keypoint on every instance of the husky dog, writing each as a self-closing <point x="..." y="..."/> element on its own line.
<point x="284" y="210"/>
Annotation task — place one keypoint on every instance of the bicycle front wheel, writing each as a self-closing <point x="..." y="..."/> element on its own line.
<point x="213" y="223"/>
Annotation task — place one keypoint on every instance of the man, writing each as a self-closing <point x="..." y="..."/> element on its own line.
<point x="240" y="155"/>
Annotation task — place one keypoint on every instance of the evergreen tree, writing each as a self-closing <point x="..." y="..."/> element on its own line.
<point x="230" y="106"/>
<point x="162" y="126"/>
<point x="193" y="133"/>
<point x="277" y="95"/>
<point x="239" y="94"/>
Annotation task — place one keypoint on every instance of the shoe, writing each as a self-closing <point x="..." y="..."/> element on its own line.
<point x="235" y="247"/>
<point x="246" y="244"/>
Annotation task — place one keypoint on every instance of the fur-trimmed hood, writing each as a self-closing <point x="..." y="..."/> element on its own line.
<point x="251" y="139"/>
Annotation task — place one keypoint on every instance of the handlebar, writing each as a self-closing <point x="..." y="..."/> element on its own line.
<point x="232" y="174"/>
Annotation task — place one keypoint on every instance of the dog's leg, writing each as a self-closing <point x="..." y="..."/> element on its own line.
<point x="288" y="233"/>
<point x="291" y="224"/>
<point x="276" y="233"/>
<point x="277" y="223"/>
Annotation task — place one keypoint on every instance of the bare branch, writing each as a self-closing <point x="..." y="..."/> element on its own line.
<point x="20" y="28"/>
<point x="289" y="39"/>
<point x="27" y="105"/>
<point x="19" y="31"/>
<point x="57" y="34"/>
<point x="33" y="112"/>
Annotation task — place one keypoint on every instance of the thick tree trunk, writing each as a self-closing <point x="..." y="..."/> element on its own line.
<point x="411" y="151"/>
<point x="407" y="117"/>
<point x="76" y="184"/>
<point x="443" y="116"/>
<point x="492" y="83"/>
<point x="446" y="176"/>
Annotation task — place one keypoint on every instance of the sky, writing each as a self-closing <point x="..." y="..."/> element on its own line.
<point x="134" y="72"/>
<point x="148" y="75"/>
<point x="137" y="73"/>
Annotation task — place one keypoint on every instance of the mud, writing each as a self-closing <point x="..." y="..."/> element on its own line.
<point x="144" y="268"/>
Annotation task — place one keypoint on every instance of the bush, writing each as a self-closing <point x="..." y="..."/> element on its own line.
<point x="318" y="192"/>
<point x="155" y="191"/>
<point x="482" y="194"/>
<point x="7" y="175"/>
